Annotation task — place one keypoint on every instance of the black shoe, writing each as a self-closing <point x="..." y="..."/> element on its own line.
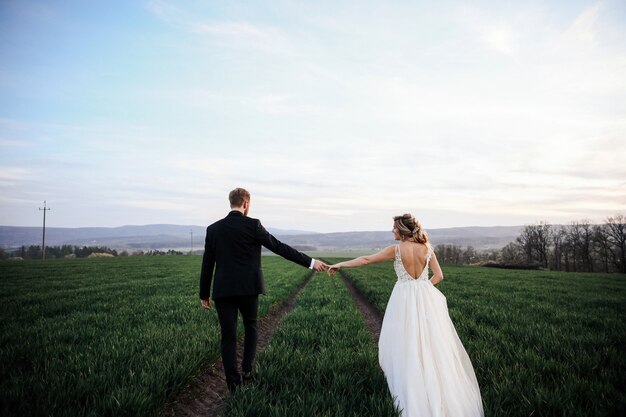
<point x="248" y="377"/>
<point x="233" y="386"/>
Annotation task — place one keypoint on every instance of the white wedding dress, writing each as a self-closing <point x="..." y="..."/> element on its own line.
<point x="427" y="368"/>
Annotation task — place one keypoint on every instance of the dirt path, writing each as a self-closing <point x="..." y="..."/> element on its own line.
<point x="205" y="394"/>
<point x="372" y="317"/>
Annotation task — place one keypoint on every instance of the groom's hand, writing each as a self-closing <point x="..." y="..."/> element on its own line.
<point x="206" y="304"/>
<point x="319" y="266"/>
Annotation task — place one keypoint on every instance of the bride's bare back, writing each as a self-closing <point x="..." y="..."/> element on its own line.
<point x="414" y="257"/>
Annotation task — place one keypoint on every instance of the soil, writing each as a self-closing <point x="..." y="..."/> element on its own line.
<point x="206" y="392"/>
<point x="372" y="317"/>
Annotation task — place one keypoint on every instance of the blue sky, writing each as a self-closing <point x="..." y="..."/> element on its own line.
<point x="335" y="115"/>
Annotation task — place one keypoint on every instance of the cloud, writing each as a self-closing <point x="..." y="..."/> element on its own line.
<point x="503" y="34"/>
<point x="167" y="12"/>
<point x="13" y="124"/>
<point x="333" y="212"/>
<point x="241" y="34"/>
<point x="237" y="34"/>
<point x="157" y="204"/>
<point x="500" y="38"/>
<point x="284" y="104"/>
<point x="582" y="30"/>
<point x="10" y="143"/>
<point x="340" y="115"/>
<point x="12" y="174"/>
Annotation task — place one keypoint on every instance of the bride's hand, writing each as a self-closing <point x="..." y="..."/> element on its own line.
<point x="332" y="269"/>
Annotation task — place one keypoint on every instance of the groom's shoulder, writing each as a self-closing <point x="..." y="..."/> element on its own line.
<point x="251" y="220"/>
<point x="251" y="223"/>
<point x="218" y="223"/>
<point x="236" y="220"/>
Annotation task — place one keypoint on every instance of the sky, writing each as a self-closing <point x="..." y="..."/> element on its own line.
<point x="335" y="115"/>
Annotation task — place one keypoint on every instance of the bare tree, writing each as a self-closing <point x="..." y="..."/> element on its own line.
<point x="542" y="236"/>
<point x="535" y="241"/>
<point x="570" y="248"/>
<point x="512" y="254"/>
<point x="440" y="252"/>
<point x="470" y="255"/>
<point x="586" y="244"/>
<point x="602" y="245"/>
<point x="490" y="254"/>
<point x="579" y="246"/>
<point x="616" y="230"/>
<point x="450" y="254"/>
<point x="580" y="240"/>
<point x="526" y="242"/>
<point x="559" y="236"/>
<point x="455" y="254"/>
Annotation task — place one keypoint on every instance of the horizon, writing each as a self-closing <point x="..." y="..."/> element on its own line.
<point x="336" y="116"/>
<point x="162" y="236"/>
<point x="279" y="229"/>
<point x="49" y="225"/>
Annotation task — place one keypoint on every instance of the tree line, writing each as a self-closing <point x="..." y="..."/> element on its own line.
<point x="577" y="247"/>
<point x="580" y="246"/>
<point x="73" y="251"/>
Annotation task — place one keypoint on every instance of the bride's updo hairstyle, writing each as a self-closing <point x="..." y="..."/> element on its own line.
<point x="410" y="229"/>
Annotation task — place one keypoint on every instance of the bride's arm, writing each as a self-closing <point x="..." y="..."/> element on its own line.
<point x="384" y="255"/>
<point x="437" y="272"/>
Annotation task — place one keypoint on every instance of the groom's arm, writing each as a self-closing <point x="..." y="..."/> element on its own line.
<point x="282" y="249"/>
<point x="208" y="265"/>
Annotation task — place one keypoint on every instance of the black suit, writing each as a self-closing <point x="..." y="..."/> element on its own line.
<point x="233" y="249"/>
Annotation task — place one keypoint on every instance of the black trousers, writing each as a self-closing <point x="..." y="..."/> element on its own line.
<point x="227" y="311"/>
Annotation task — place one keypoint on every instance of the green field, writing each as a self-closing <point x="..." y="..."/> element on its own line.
<point x="118" y="336"/>
<point x="321" y="362"/>
<point x="121" y="336"/>
<point x="542" y="343"/>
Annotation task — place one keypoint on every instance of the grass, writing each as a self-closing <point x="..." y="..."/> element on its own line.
<point x="542" y="343"/>
<point x="99" y="337"/>
<point x="121" y="336"/>
<point x="321" y="362"/>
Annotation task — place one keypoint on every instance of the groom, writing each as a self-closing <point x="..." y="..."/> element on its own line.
<point x="233" y="248"/>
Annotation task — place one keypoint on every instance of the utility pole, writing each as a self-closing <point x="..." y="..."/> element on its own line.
<point x="191" y="231"/>
<point x="43" y="243"/>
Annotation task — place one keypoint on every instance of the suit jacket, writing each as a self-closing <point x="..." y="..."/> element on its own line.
<point x="233" y="248"/>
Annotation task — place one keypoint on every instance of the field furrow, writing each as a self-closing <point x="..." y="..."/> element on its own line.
<point x="320" y="362"/>
<point x="122" y="336"/>
<point x="541" y="342"/>
<point x="206" y="393"/>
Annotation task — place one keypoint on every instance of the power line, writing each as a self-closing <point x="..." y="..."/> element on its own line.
<point x="43" y="243"/>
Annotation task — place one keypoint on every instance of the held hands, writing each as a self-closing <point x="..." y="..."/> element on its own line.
<point x="332" y="269"/>
<point x="319" y="266"/>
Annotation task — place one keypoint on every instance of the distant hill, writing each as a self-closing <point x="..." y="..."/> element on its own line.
<point x="153" y="236"/>
<point x="169" y="236"/>
<point x="480" y="237"/>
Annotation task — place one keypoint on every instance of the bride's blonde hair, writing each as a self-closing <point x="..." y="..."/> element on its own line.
<point x="410" y="229"/>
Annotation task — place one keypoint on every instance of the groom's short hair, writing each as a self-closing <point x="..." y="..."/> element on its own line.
<point x="238" y="196"/>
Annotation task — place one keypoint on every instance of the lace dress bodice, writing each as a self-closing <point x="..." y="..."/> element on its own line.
<point x="401" y="272"/>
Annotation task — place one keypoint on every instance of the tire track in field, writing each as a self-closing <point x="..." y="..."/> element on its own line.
<point x="372" y="317"/>
<point x="205" y="394"/>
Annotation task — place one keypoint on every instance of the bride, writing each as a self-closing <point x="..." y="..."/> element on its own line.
<point x="427" y="368"/>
